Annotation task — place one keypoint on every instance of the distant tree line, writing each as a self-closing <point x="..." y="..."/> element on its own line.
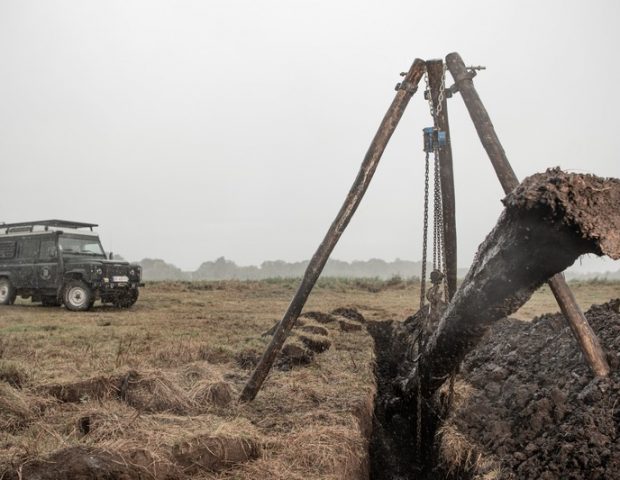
<point x="224" y="269"/>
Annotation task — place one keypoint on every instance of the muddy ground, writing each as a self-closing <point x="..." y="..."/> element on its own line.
<point x="527" y="407"/>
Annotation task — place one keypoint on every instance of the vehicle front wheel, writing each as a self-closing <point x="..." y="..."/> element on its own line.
<point x="126" y="300"/>
<point x="7" y="292"/>
<point x="78" y="297"/>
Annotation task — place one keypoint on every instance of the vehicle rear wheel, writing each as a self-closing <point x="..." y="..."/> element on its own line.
<point x="7" y="292"/>
<point x="127" y="299"/>
<point x="77" y="296"/>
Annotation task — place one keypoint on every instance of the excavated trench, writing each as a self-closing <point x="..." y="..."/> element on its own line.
<point x="394" y="453"/>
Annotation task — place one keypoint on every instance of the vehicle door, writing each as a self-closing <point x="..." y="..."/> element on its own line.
<point x="25" y="264"/>
<point x="8" y="251"/>
<point x="48" y="264"/>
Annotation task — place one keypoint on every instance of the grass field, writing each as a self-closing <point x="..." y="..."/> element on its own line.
<point x="190" y="347"/>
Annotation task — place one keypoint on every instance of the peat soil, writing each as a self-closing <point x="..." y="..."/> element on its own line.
<point x="526" y="406"/>
<point x="530" y="407"/>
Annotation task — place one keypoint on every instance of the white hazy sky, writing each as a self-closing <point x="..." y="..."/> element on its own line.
<point x="195" y="129"/>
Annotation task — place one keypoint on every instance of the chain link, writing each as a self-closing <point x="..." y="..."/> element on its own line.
<point x="425" y="235"/>
<point x="442" y="93"/>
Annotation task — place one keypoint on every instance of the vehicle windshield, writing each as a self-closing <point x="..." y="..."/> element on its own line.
<point x="81" y="245"/>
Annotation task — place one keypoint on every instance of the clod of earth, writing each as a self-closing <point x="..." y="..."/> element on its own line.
<point x="316" y="343"/>
<point x="319" y="317"/>
<point x="293" y="354"/>
<point x="218" y="393"/>
<point x="350" y="313"/>
<point x="349" y="326"/>
<point x="315" y="329"/>
<point x="214" y="453"/>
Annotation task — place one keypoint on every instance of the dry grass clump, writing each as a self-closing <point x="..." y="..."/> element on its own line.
<point x="155" y="391"/>
<point x="334" y="451"/>
<point x="13" y="373"/>
<point x="206" y="392"/>
<point x="318" y="316"/>
<point x="15" y="411"/>
<point x="214" y="452"/>
<point x="315" y="329"/>
<point x="349" y="312"/>
<point x="95" y="388"/>
<point x="456" y="452"/>
<point x="316" y="343"/>
<point x="196" y="371"/>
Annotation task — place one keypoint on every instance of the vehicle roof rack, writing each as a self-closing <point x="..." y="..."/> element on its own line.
<point x="29" y="226"/>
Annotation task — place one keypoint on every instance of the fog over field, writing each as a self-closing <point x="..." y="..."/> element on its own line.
<point x="197" y="130"/>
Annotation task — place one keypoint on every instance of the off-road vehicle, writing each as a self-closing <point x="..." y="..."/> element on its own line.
<point x="59" y="262"/>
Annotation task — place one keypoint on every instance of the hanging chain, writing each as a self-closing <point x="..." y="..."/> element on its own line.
<point x="425" y="234"/>
<point x="437" y="214"/>
<point x="442" y="93"/>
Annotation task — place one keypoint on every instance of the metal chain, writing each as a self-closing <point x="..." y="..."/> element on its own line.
<point x="442" y="92"/>
<point x="425" y="234"/>
<point x="437" y="217"/>
<point x="429" y="97"/>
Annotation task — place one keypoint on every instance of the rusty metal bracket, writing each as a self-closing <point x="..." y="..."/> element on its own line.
<point x="469" y="74"/>
<point x="407" y="87"/>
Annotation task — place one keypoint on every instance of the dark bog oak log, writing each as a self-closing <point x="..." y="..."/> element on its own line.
<point x="404" y="93"/>
<point x="588" y="341"/>
<point x="549" y="221"/>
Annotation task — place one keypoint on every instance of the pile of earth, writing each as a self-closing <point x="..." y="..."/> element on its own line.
<point x="526" y="405"/>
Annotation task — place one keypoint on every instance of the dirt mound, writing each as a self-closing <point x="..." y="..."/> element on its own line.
<point x="316" y="343"/>
<point x="319" y="317"/>
<point x="83" y="463"/>
<point x="294" y="353"/>
<point x="315" y="329"/>
<point x="95" y="388"/>
<point x="145" y="391"/>
<point x="350" y="313"/>
<point x="526" y="405"/>
<point x="214" y="453"/>
<point x="219" y="393"/>
<point x="349" y="326"/>
<point x="15" y="410"/>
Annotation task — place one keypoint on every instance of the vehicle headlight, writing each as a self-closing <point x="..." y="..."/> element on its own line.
<point x="132" y="273"/>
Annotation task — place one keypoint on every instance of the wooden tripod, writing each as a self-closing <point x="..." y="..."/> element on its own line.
<point x="404" y="91"/>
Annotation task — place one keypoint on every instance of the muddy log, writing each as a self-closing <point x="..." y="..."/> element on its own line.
<point x="588" y="341"/>
<point x="549" y="220"/>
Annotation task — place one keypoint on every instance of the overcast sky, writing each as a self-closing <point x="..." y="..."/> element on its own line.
<point x="196" y="129"/>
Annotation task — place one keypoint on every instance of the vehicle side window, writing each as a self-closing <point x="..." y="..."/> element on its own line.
<point x="7" y="249"/>
<point x="30" y="248"/>
<point x="48" y="250"/>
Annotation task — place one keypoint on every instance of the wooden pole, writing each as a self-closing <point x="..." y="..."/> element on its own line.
<point x="435" y="82"/>
<point x="405" y="91"/>
<point x="587" y="339"/>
